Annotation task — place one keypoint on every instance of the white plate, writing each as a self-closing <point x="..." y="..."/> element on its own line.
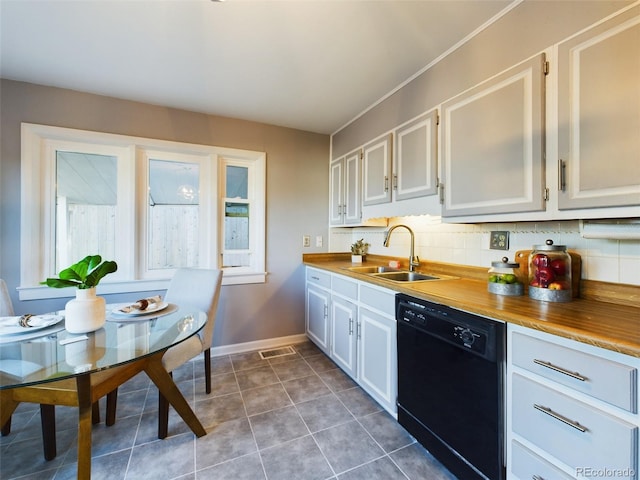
<point x="11" y="325"/>
<point x="134" y="313"/>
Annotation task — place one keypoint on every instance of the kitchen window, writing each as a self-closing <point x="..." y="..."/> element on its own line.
<point x="151" y="205"/>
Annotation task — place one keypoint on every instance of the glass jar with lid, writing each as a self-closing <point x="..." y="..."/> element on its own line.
<point x="550" y="273"/>
<point x="504" y="278"/>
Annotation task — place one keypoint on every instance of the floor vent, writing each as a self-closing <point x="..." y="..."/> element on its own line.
<point x="276" y="352"/>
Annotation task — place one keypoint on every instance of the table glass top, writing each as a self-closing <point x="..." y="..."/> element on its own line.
<point x="46" y="356"/>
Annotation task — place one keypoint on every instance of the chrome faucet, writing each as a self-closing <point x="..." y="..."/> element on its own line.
<point x="413" y="260"/>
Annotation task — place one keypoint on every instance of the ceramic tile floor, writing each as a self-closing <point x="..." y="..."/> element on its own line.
<point x="296" y="417"/>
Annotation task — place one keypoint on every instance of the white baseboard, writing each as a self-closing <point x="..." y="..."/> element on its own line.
<point x="257" y="345"/>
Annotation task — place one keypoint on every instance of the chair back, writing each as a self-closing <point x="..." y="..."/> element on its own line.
<point x="6" y="307"/>
<point x="199" y="288"/>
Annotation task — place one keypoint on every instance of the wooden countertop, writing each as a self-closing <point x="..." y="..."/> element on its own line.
<point x="614" y="326"/>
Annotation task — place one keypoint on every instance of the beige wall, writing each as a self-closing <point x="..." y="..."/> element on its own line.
<point x="297" y="198"/>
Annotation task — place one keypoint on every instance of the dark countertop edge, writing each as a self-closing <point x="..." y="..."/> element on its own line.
<point x="604" y="338"/>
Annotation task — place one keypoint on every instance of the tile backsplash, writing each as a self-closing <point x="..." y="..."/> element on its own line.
<point x="607" y="260"/>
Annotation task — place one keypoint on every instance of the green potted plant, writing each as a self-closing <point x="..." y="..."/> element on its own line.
<point x="359" y="251"/>
<point x="86" y="312"/>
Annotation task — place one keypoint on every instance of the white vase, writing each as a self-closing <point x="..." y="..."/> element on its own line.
<point x="86" y="312"/>
<point x="356" y="258"/>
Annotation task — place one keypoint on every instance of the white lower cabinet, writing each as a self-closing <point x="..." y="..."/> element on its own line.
<point x="354" y="324"/>
<point x="344" y="317"/>
<point x="572" y="409"/>
<point x="377" y="357"/>
<point x="317" y="297"/>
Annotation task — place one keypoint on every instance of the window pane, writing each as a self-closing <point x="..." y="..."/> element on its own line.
<point x="173" y="214"/>
<point x="86" y="198"/>
<point x="236" y="226"/>
<point x="236" y="235"/>
<point x="237" y="182"/>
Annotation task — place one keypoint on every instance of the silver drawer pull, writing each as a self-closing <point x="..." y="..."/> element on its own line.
<point x="557" y="416"/>
<point x="536" y="477"/>
<point x="315" y="278"/>
<point x="575" y="375"/>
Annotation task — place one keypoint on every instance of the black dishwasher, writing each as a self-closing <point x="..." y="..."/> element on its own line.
<point x="451" y="385"/>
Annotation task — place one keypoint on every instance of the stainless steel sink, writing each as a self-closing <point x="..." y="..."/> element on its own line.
<point x="401" y="276"/>
<point x="381" y="269"/>
<point x="397" y="275"/>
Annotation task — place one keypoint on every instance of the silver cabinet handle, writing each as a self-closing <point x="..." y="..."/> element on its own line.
<point x="395" y="182"/>
<point x="386" y="183"/>
<point x="315" y="278"/>
<point x="536" y="477"/>
<point x="557" y="416"/>
<point x="564" y="371"/>
<point x="350" y="326"/>
<point x="562" y="172"/>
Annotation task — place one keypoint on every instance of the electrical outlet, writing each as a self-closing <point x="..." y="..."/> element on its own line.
<point x="499" y="241"/>
<point x="318" y="240"/>
<point x="306" y="240"/>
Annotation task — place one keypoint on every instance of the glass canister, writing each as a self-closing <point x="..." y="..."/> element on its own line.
<point x="505" y="278"/>
<point x="550" y="273"/>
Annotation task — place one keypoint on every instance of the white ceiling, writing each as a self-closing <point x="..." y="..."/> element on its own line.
<point x="308" y="64"/>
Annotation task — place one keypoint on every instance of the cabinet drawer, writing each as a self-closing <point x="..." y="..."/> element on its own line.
<point x="606" y="380"/>
<point x="380" y="299"/>
<point x="319" y="277"/>
<point x="527" y="465"/>
<point x="577" y="434"/>
<point x="345" y="287"/>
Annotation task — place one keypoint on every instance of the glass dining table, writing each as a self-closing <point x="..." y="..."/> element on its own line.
<point x="34" y="363"/>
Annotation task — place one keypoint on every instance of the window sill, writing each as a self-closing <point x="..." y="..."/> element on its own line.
<point x="42" y="292"/>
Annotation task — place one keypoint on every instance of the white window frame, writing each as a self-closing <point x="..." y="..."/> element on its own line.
<point x="257" y="214"/>
<point x="207" y="237"/>
<point x="37" y="230"/>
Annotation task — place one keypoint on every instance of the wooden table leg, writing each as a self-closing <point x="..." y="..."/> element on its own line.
<point x="161" y="378"/>
<point x="83" y="383"/>
<point x="48" y="423"/>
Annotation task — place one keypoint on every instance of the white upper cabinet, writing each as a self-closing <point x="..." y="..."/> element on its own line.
<point x="415" y="172"/>
<point x="376" y="170"/>
<point x="345" y="185"/>
<point x="336" y="183"/>
<point x="599" y="115"/>
<point x="405" y="183"/>
<point x="493" y="144"/>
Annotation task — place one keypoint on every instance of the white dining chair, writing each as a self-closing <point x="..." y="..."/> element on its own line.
<point x="47" y="412"/>
<point x="198" y="288"/>
<point x="6" y="306"/>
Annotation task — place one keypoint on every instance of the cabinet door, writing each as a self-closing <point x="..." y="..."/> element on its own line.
<point x="415" y="172"/>
<point x="599" y="115"/>
<point x="493" y="144"/>
<point x="352" y="185"/>
<point x="377" y="171"/>
<point x="336" y="182"/>
<point x="343" y="341"/>
<point x="377" y="357"/>
<point x="317" y="316"/>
